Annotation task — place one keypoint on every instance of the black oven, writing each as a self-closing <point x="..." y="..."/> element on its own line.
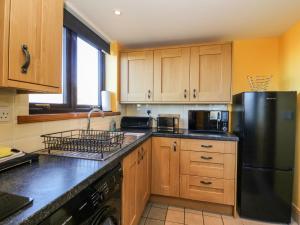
<point x="208" y="121"/>
<point x="98" y="204"/>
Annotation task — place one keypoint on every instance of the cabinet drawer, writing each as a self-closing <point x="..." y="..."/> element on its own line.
<point x="207" y="189"/>
<point x="208" y="164"/>
<point x="208" y="146"/>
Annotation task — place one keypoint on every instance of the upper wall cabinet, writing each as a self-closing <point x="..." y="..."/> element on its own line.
<point x="171" y="75"/>
<point x="210" y="73"/>
<point x="137" y="76"/>
<point x="31" y="44"/>
<point x="188" y="74"/>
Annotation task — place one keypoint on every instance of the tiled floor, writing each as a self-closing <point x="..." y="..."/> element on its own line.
<point x="157" y="214"/>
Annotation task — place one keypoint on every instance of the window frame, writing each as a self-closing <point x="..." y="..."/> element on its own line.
<point x="70" y="84"/>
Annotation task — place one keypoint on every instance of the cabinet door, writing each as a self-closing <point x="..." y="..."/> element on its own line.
<point x="137" y="76"/>
<point x="171" y="75"/>
<point x="51" y="52"/>
<point x="36" y="39"/>
<point x="210" y="76"/>
<point x="130" y="190"/>
<point x="144" y="175"/>
<point x="165" y="166"/>
<point x="25" y="37"/>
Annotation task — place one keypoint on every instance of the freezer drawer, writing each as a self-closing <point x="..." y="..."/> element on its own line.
<point x="265" y="194"/>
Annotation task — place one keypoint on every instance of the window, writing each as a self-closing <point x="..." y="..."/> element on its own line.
<point x="83" y="70"/>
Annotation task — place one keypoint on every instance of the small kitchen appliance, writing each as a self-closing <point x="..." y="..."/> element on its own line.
<point x="136" y="122"/>
<point x="208" y="121"/>
<point x="168" y="122"/>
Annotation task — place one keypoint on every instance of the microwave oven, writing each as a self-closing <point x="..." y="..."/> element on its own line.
<point x="208" y="121"/>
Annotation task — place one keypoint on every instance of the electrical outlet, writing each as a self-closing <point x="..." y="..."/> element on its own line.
<point x="4" y="114"/>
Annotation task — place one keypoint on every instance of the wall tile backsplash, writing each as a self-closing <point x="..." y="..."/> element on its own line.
<point x="26" y="137"/>
<point x="182" y="110"/>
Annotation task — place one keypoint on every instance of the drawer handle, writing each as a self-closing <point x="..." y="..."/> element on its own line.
<point x="206" y="146"/>
<point x="206" y="158"/>
<point x="205" y="182"/>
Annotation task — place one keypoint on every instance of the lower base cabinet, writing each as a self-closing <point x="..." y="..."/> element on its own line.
<point x="136" y="183"/>
<point x="187" y="169"/>
<point x="207" y="189"/>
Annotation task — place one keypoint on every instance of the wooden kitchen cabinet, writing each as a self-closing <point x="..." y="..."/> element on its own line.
<point x="31" y="45"/>
<point x="144" y="175"/>
<point x="137" y="76"/>
<point x="210" y="73"/>
<point x="165" y="166"/>
<point x="171" y="75"/>
<point x="208" y="170"/>
<point x="136" y="183"/>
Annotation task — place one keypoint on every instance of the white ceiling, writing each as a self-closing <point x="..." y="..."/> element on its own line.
<point x="156" y="22"/>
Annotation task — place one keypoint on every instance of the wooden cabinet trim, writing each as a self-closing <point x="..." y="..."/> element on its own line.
<point x="36" y="118"/>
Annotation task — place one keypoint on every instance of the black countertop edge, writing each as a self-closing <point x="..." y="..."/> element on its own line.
<point x="185" y="133"/>
<point x="106" y="166"/>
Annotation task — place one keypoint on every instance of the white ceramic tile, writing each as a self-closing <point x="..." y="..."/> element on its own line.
<point x="133" y="110"/>
<point x="29" y="144"/>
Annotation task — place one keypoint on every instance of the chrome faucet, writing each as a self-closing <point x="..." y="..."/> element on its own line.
<point x="95" y="109"/>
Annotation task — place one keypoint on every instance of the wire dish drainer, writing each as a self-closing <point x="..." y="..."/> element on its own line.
<point x="89" y="141"/>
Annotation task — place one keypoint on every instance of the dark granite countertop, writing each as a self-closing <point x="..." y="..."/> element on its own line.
<point x="53" y="180"/>
<point x="184" y="133"/>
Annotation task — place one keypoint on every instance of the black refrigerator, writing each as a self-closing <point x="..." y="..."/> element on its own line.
<point x="265" y="123"/>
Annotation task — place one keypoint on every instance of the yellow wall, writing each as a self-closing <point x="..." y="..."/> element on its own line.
<point x="279" y="57"/>
<point x="255" y="57"/>
<point x="112" y="74"/>
<point x="290" y="80"/>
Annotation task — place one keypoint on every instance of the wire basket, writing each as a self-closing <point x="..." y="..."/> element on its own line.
<point x="259" y="82"/>
<point x="91" y="141"/>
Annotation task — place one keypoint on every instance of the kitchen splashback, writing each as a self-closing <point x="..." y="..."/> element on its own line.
<point x="26" y="137"/>
<point x="182" y="110"/>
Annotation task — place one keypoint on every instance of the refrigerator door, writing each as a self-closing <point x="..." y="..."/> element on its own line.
<point x="269" y="129"/>
<point x="266" y="195"/>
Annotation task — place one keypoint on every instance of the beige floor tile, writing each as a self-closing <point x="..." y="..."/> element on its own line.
<point x="172" y="223"/>
<point x="193" y="219"/>
<point x="146" y="211"/>
<point x="176" y="208"/>
<point x="157" y="213"/>
<point x="193" y="211"/>
<point x="254" y="222"/>
<point x="229" y="220"/>
<point x="157" y="205"/>
<point x="154" y="222"/>
<point x="212" y="220"/>
<point x="142" y="221"/>
<point x="175" y="216"/>
<point x="211" y="214"/>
